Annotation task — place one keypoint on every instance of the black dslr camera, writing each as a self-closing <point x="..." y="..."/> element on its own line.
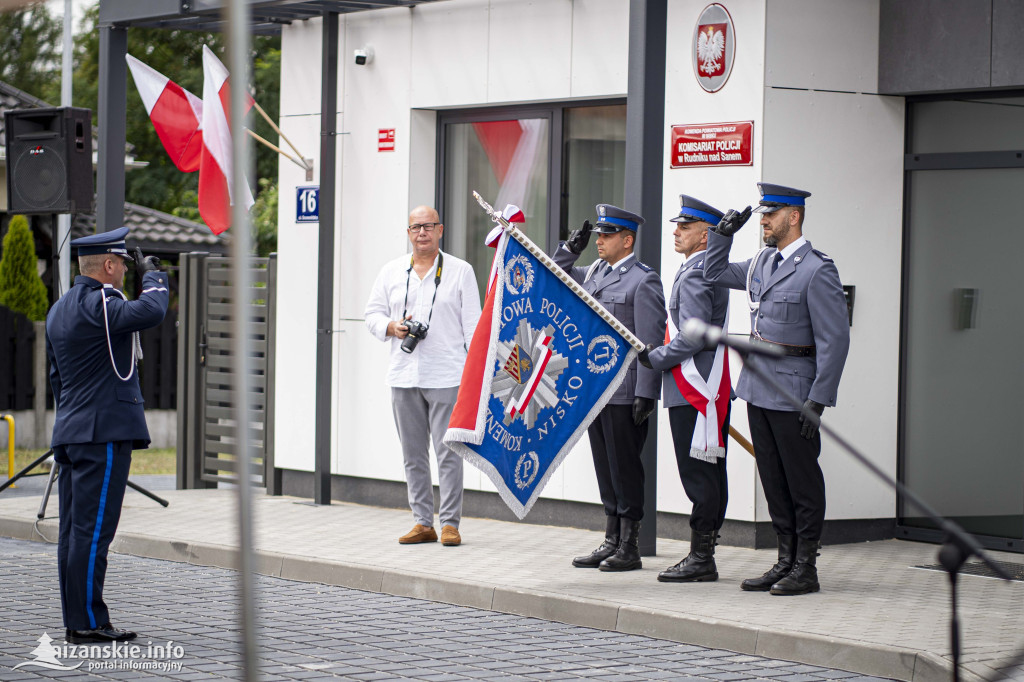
<point x="417" y="332"/>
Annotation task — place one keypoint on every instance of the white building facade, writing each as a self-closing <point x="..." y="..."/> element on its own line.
<point x="525" y="101"/>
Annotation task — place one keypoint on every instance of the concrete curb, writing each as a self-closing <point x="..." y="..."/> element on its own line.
<point x="908" y="665"/>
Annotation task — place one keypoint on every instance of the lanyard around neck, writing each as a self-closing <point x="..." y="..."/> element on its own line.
<point x="437" y="281"/>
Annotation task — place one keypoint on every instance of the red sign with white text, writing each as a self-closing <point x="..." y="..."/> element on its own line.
<point x="386" y="139"/>
<point x="713" y="144"/>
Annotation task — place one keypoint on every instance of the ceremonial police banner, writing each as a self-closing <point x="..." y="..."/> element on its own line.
<point x="543" y="362"/>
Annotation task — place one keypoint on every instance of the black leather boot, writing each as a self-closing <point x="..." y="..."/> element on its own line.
<point x="607" y="548"/>
<point x="803" y="579"/>
<point x="787" y="552"/>
<point x="699" y="565"/>
<point x="627" y="556"/>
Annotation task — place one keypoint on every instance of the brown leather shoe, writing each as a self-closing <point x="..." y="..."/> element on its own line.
<point x="418" y="534"/>
<point x="450" y="536"/>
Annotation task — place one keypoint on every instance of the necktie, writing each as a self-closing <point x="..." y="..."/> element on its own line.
<point x="776" y="261"/>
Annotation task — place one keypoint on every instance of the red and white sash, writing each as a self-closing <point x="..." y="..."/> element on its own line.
<point x="710" y="398"/>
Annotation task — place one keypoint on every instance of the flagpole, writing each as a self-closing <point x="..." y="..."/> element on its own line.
<point x="743" y="442"/>
<point x="276" y="149"/>
<point x="238" y="17"/>
<point x="278" y="131"/>
<point x="561" y="274"/>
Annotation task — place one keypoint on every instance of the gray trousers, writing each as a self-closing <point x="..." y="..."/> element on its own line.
<point x="422" y="413"/>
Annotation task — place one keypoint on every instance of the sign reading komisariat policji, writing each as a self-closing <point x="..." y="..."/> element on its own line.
<point x="712" y="144"/>
<point x="543" y="362"/>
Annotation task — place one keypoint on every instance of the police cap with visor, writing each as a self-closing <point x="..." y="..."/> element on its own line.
<point x="693" y="210"/>
<point x="103" y="242"/>
<point x="612" y="219"/>
<point x="774" y="197"/>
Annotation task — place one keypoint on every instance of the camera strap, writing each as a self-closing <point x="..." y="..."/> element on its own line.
<point x="437" y="281"/>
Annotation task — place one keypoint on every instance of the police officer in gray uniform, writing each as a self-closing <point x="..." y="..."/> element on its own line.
<point x="633" y="293"/>
<point x="702" y="471"/>
<point x="796" y="302"/>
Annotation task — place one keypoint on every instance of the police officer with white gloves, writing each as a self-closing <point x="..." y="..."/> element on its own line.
<point x="796" y="302"/>
<point x="633" y="293"/>
<point x="92" y="344"/>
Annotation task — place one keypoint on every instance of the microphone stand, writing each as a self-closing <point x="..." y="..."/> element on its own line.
<point x="53" y="475"/>
<point x="959" y="545"/>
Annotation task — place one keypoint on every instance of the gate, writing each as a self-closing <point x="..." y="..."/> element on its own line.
<point x="206" y="426"/>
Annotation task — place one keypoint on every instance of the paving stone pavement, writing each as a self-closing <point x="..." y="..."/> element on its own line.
<point x="876" y="613"/>
<point x="312" y="631"/>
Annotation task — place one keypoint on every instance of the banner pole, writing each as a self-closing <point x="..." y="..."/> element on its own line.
<point x="561" y="274"/>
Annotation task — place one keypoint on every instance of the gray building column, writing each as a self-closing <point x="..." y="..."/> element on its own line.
<point x="112" y="118"/>
<point x="645" y="135"/>
<point x="325" y="261"/>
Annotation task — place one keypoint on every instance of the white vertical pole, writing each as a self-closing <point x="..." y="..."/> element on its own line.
<point x="62" y="243"/>
<point x="238" y="14"/>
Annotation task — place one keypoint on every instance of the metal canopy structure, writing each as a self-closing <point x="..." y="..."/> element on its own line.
<point x="267" y="16"/>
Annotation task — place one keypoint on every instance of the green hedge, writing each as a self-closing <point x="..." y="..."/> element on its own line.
<point x="21" y="288"/>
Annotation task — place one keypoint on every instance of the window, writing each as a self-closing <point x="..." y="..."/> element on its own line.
<point x="554" y="162"/>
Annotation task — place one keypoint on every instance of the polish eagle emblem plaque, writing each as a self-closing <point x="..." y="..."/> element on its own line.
<point x="714" y="46"/>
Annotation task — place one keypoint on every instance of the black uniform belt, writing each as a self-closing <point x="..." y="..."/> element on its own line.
<point x="788" y="349"/>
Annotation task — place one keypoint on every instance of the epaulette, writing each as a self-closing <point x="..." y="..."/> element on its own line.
<point x="699" y="265"/>
<point x="823" y="256"/>
<point x="644" y="266"/>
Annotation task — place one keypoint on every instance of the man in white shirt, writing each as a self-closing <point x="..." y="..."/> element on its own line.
<point x="427" y="306"/>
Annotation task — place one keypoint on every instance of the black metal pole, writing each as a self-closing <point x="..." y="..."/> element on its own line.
<point x="645" y="120"/>
<point x="112" y="116"/>
<point x="325" y="260"/>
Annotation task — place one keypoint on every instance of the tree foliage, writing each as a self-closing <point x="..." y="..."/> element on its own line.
<point x="264" y="219"/>
<point x="177" y="54"/>
<point x="21" y="288"/>
<point x="30" y="50"/>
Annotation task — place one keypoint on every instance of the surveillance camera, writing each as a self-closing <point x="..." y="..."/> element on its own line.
<point x="364" y="56"/>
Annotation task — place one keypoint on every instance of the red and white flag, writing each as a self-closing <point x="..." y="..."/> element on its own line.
<point x="215" y="167"/>
<point x="710" y="398"/>
<point x="176" y="114"/>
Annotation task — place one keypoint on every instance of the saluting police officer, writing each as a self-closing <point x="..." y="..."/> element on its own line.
<point x="632" y="292"/>
<point x="796" y="302"/>
<point x="692" y="370"/>
<point x="93" y="346"/>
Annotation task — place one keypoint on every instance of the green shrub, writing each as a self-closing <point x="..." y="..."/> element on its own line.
<point x="21" y="288"/>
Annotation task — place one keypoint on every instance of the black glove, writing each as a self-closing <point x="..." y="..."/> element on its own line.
<point x="810" y="425"/>
<point x="731" y="222"/>
<point x="642" y="409"/>
<point x="644" y="356"/>
<point x="144" y="264"/>
<point x="578" y="239"/>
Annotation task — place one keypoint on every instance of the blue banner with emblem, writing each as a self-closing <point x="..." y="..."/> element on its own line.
<point x="543" y="363"/>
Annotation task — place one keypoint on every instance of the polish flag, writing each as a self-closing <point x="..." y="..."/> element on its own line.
<point x="175" y="112"/>
<point x="215" y="169"/>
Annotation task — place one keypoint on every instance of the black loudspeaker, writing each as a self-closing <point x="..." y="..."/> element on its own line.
<point x="49" y="160"/>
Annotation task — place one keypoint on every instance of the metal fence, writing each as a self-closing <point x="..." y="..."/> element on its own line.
<point x="17" y="343"/>
<point x="206" y="443"/>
